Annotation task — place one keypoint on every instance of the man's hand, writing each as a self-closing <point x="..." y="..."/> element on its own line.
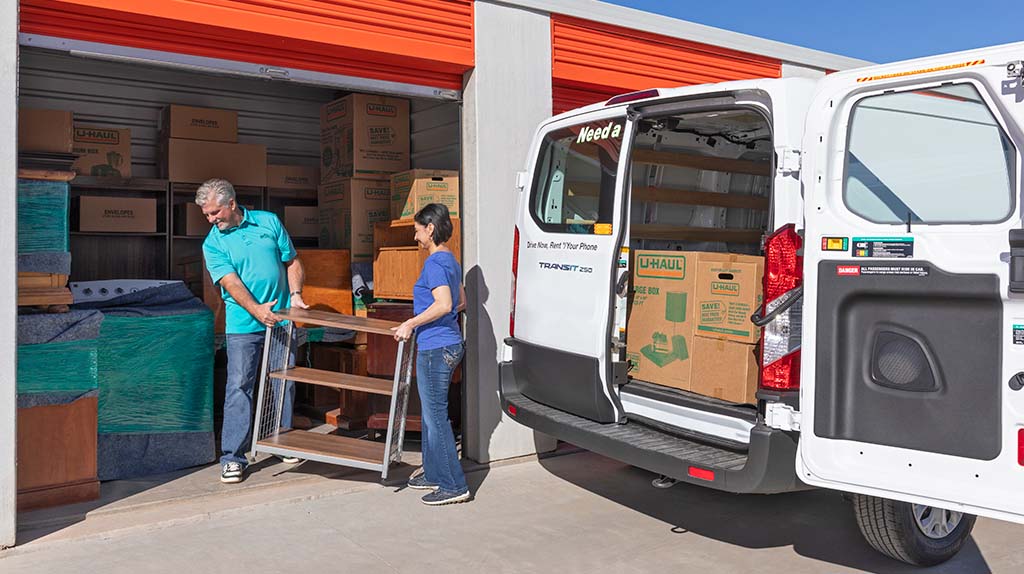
<point x="298" y="302"/>
<point x="403" y="332"/>
<point x="265" y="314"/>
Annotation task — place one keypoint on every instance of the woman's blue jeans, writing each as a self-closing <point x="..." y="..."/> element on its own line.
<point x="441" y="465"/>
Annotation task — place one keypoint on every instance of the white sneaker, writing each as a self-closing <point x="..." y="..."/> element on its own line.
<point x="290" y="459"/>
<point x="231" y="472"/>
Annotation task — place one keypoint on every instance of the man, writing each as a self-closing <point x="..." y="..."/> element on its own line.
<point x="250" y="255"/>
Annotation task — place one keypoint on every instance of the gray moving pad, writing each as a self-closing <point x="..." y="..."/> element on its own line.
<point x="58" y="262"/>
<point x="59" y="327"/>
<point x="123" y="456"/>
<point x="30" y="400"/>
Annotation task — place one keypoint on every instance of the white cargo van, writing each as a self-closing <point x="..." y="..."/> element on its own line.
<point x="886" y="204"/>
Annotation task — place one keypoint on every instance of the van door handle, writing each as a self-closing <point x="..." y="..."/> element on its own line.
<point x="1017" y="261"/>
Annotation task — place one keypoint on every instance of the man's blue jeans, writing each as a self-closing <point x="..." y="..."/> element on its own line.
<point x="440" y="458"/>
<point x="245" y="353"/>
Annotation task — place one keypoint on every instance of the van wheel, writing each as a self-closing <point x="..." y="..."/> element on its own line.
<point x="911" y="533"/>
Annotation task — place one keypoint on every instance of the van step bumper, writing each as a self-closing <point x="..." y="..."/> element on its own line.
<point x="767" y="467"/>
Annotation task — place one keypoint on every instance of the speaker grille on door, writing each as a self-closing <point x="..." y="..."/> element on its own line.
<point x="900" y="362"/>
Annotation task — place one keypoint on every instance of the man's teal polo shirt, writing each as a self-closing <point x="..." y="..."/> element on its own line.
<point x="256" y="251"/>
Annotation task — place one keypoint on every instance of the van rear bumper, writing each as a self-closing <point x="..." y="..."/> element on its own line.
<point x="767" y="467"/>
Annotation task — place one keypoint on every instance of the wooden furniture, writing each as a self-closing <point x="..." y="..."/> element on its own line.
<point x="43" y="289"/>
<point x="328" y="285"/>
<point x="349" y="409"/>
<point x="271" y="438"/>
<point x="57" y="454"/>
<point x="397" y="259"/>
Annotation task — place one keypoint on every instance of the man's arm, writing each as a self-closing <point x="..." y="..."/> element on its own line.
<point x="263" y="313"/>
<point x="296" y="279"/>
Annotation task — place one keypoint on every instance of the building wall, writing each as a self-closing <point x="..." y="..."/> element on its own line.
<point x="8" y="261"/>
<point x="506" y="96"/>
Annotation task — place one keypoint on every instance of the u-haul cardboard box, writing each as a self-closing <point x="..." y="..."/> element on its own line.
<point x="363" y="136"/>
<point x="724" y="370"/>
<point x="102" y="151"/>
<point x="728" y="293"/>
<point x="348" y="210"/>
<point x="412" y="190"/>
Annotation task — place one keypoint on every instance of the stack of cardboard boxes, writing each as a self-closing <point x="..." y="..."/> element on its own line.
<point x="689" y="325"/>
<point x="288" y="184"/>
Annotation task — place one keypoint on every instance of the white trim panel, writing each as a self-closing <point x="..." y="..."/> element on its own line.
<point x="711" y="424"/>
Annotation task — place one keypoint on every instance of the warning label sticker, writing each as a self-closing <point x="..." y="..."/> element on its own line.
<point x="1018" y="334"/>
<point x="883" y="247"/>
<point x="893" y="270"/>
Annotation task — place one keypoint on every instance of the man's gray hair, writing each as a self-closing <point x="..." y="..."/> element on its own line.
<point x="218" y="188"/>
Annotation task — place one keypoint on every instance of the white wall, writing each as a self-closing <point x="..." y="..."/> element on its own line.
<point x="506" y="96"/>
<point x="8" y="265"/>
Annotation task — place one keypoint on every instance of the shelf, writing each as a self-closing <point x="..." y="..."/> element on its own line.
<point x="46" y="174"/>
<point x="335" y="380"/>
<point x="327" y="444"/>
<point x="116" y="234"/>
<point x="675" y="233"/>
<point x="405" y="248"/>
<point x="130" y="184"/>
<point x="195" y="237"/>
<point x="678" y="196"/>
<point x="326" y="319"/>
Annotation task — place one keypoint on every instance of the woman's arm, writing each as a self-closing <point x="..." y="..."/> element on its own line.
<point x="441" y="306"/>
<point x="462" y="298"/>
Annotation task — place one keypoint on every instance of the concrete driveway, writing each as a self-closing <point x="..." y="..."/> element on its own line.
<point x="577" y="512"/>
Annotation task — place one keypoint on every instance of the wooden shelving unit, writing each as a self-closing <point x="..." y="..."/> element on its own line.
<point x="269" y="437"/>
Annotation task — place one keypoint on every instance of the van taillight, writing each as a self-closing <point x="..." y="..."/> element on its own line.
<point x="515" y="273"/>
<point x="780" y="338"/>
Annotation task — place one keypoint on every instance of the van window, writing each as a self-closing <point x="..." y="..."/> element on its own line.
<point x="574" y="183"/>
<point x="933" y="155"/>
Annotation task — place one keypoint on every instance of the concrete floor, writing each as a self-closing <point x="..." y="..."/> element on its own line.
<point x="577" y="512"/>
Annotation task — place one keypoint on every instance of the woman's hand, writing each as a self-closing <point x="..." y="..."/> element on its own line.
<point x="403" y="332"/>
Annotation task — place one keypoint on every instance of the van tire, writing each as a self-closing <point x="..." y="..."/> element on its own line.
<point x="889" y="527"/>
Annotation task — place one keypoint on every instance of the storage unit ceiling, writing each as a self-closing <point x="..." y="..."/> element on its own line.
<point x="592" y="61"/>
<point x="422" y="42"/>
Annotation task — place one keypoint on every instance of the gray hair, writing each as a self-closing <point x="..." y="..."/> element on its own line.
<point x="219" y="188"/>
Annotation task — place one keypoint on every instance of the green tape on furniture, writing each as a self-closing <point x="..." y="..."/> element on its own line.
<point x="156" y="374"/>
<point x="42" y="216"/>
<point x="57" y="367"/>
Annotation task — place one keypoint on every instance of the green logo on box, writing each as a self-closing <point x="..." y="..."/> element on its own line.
<point x="661" y="266"/>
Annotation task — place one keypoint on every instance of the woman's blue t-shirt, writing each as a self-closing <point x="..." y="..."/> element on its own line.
<point x="441" y="268"/>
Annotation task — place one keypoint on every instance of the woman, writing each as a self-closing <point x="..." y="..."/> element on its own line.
<point x="439" y="349"/>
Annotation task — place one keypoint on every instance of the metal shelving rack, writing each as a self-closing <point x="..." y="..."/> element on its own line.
<point x="268" y="435"/>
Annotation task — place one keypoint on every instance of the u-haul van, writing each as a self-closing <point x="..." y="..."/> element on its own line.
<point x="886" y="337"/>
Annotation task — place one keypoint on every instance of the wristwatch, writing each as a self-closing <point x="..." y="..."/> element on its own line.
<point x="299" y="292"/>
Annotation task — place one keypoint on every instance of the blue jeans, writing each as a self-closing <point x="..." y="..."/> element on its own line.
<point x="245" y="353"/>
<point x="440" y="458"/>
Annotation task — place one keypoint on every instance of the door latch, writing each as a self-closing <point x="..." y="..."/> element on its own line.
<point x="1017" y="261"/>
<point x="788" y="161"/>
<point x="1017" y="382"/>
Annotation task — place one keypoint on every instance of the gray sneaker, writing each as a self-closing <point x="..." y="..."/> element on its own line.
<point x="441" y="497"/>
<point x="231" y="472"/>
<point x="419" y="482"/>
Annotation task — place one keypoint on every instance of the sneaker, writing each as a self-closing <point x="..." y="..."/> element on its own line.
<point x="231" y="472"/>
<point x="290" y="459"/>
<point x="440" y="497"/>
<point x="419" y="482"/>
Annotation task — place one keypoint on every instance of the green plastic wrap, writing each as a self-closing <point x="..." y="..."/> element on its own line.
<point x="57" y="367"/>
<point x="42" y="216"/>
<point x="156" y="374"/>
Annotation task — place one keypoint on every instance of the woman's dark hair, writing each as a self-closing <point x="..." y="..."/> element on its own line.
<point x="437" y="214"/>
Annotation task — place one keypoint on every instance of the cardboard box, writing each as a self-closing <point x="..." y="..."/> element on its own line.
<point x="302" y="220"/>
<point x="293" y="177"/>
<point x="44" y="130"/>
<point x="195" y="161"/>
<point x="348" y="210"/>
<point x="724" y="370"/>
<point x="661" y="325"/>
<point x="117" y="214"/>
<point x="728" y="292"/>
<point x="189" y="220"/>
<point x="363" y="136"/>
<point x="208" y="124"/>
<point x="102" y="152"/>
<point x="412" y="190"/>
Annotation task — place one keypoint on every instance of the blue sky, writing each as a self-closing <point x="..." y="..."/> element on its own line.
<point x="868" y="29"/>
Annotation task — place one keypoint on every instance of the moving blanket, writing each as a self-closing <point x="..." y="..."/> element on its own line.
<point x="155" y="373"/>
<point x="57" y="357"/>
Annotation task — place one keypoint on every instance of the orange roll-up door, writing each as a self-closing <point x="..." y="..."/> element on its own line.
<point x="423" y="42"/>
<point x="592" y="61"/>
